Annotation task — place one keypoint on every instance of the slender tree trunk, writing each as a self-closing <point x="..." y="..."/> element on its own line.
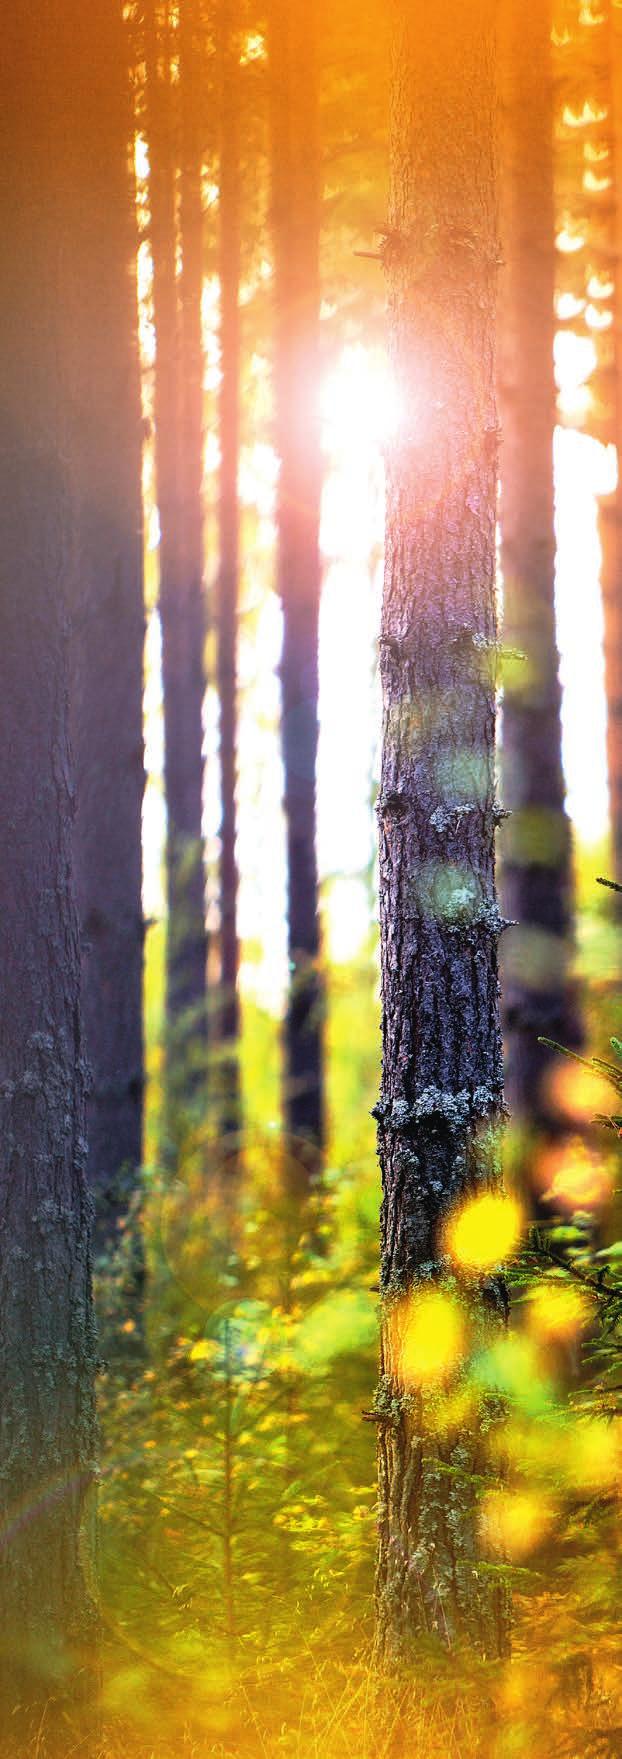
<point x="229" y="572"/>
<point x="536" y="845"/>
<point x="296" y="222"/>
<point x="178" y="476"/>
<point x="442" y="1084"/>
<point x="47" y="1354"/>
<point x="611" y="506"/>
<point x="109" y="635"/>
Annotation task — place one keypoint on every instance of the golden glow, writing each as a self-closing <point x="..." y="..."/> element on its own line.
<point x="575" y="361"/>
<point x="574" y="1176"/>
<point x="568" y="306"/>
<point x="558" y="1310"/>
<point x="590" y="112"/>
<point x="568" y="241"/>
<point x="595" y="1455"/>
<point x="514" y="1522"/>
<point x="600" y="287"/>
<point x="202" y="1351"/>
<point x="253" y="48"/>
<point x="595" y="185"/>
<point x="598" y="320"/>
<point x="595" y="152"/>
<point x="485" y="1231"/>
<point x="434" y="1338"/>
<point x="578" y="1093"/>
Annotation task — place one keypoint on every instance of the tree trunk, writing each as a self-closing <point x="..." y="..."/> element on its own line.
<point x="47" y="1352"/>
<point x="296" y="221"/>
<point x="229" y="572"/>
<point x="178" y="417"/>
<point x="611" y="506"/>
<point x="537" y="877"/>
<point x="107" y="714"/>
<point x="442" y="1084"/>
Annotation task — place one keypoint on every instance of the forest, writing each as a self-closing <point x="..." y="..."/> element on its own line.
<point x="311" y="879"/>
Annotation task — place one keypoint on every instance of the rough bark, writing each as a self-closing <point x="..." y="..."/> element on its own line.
<point x="536" y="843"/>
<point x="178" y="484"/>
<point x="109" y="628"/>
<point x="229" y="570"/>
<point x="295" y="221"/>
<point x="611" y="506"/>
<point x="442" y="1084"/>
<point x="47" y="1357"/>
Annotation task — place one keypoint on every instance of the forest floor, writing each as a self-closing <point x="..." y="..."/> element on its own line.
<point x="238" y="1493"/>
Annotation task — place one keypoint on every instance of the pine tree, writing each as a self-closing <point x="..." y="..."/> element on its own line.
<point x="537" y="878"/>
<point x="295" y="201"/>
<point x="611" y="506"/>
<point x="178" y="484"/>
<point x="109" y="631"/>
<point x="442" y="1086"/>
<point x="588" y="79"/>
<point x="47" y="1356"/>
<point x="229" y="532"/>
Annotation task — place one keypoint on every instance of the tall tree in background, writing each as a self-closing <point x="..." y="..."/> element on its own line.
<point x="50" y="80"/>
<point x="109" y="631"/>
<point x="537" y="879"/>
<point x="611" y="506"/>
<point x="229" y="531"/>
<point x="295" y="199"/>
<point x="442" y="1081"/>
<point x="588" y="55"/>
<point x="178" y="426"/>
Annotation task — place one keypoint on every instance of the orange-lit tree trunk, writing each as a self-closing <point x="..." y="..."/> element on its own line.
<point x="229" y="570"/>
<point x="611" y="506"/>
<point x="50" y="88"/>
<point x="295" y="221"/>
<point x="178" y="423"/>
<point x="536" y="847"/>
<point x="109" y="635"/>
<point x="442" y="1078"/>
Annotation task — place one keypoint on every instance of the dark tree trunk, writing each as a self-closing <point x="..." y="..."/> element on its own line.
<point x="47" y="1354"/>
<point x="442" y="1083"/>
<point x="178" y="479"/>
<point x="228" y="580"/>
<point x="536" y="846"/>
<point x="296" y="220"/>
<point x="109" y="632"/>
<point x="611" y="506"/>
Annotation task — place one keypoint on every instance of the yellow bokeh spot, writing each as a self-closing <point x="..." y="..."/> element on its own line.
<point x="558" y="1310"/>
<point x="485" y="1231"/>
<point x="514" y="1522"/>
<point x="202" y="1350"/>
<point x="595" y="1455"/>
<point x="434" y="1338"/>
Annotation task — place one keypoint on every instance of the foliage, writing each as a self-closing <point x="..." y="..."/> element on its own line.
<point x="238" y="1487"/>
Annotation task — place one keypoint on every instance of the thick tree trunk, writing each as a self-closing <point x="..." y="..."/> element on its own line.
<point x="109" y="633"/>
<point x="229" y="571"/>
<point x="178" y="480"/>
<point x="295" y="217"/>
<point x="47" y="1353"/>
<point x="536" y="847"/>
<point x="611" y="507"/>
<point x="442" y="1085"/>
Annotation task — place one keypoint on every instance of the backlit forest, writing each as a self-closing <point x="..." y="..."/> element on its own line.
<point x="311" y="879"/>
